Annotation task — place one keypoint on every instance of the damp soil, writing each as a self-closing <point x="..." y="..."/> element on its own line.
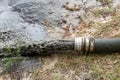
<point x="25" y="21"/>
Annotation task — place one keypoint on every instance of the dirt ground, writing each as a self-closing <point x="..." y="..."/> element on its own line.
<point x="66" y="20"/>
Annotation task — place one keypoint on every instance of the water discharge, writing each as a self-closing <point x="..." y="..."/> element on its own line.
<point x="30" y="20"/>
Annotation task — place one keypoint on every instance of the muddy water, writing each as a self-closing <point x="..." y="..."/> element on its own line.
<point x="14" y="29"/>
<point x="30" y="20"/>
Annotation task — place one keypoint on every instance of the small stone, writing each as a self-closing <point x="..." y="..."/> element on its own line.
<point x="115" y="61"/>
<point x="71" y="6"/>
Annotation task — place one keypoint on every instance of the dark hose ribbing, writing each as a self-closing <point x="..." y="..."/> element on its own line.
<point x="107" y="45"/>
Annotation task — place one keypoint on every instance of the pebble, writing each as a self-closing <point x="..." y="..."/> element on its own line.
<point x="71" y="6"/>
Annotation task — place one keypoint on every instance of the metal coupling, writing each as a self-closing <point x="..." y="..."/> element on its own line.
<point x="84" y="45"/>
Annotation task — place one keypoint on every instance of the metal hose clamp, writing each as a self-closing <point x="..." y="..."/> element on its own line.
<point x="78" y="44"/>
<point x="84" y="45"/>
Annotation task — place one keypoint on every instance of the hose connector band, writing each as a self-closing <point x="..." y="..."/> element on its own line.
<point x="78" y="44"/>
<point x="84" y="45"/>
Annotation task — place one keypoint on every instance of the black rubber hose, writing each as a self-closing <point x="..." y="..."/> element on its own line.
<point x="107" y="45"/>
<point x="82" y="45"/>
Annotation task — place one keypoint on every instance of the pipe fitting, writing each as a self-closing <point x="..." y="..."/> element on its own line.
<point x="84" y="45"/>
